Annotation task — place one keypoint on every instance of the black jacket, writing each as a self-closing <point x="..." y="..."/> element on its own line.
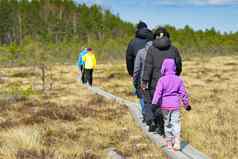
<point x="156" y="54"/>
<point x="142" y="37"/>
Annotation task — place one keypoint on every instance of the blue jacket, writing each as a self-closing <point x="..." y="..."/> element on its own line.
<point x="80" y="59"/>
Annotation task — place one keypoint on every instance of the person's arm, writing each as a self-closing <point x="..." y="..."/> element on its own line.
<point x="94" y="62"/>
<point x="79" y="59"/>
<point x="183" y="94"/>
<point x="84" y="58"/>
<point x="137" y="70"/>
<point x="178" y="61"/>
<point x="130" y="59"/>
<point x="78" y="62"/>
<point x="158" y="93"/>
<point x="148" y="67"/>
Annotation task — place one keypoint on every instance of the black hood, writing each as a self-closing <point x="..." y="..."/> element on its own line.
<point x="161" y="30"/>
<point x="162" y="43"/>
<point x="144" y="34"/>
<point x="141" y="25"/>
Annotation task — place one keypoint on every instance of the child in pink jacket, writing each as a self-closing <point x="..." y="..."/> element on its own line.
<point x="169" y="91"/>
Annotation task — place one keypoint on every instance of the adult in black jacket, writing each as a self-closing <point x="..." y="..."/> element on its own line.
<point x="161" y="49"/>
<point x="143" y="35"/>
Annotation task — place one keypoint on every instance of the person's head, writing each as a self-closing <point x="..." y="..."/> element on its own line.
<point x="162" y="43"/>
<point x="141" y="25"/>
<point x="143" y="32"/>
<point x="89" y="49"/>
<point x="161" y="32"/>
<point x="168" y="67"/>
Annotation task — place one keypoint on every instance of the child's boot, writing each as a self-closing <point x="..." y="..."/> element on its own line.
<point x="173" y="141"/>
<point x="152" y="126"/>
<point x="169" y="143"/>
<point x="160" y="130"/>
<point x="177" y="146"/>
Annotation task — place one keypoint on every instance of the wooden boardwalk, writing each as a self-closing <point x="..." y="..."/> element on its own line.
<point x="187" y="152"/>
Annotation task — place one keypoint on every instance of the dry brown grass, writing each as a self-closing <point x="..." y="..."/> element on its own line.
<point x="66" y="122"/>
<point x="212" y="83"/>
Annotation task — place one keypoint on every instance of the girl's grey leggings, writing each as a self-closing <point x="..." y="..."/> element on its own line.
<point x="172" y="124"/>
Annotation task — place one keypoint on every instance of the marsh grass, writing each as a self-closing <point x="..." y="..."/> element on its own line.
<point x="66" y="122"/>
<point x="211" y="82"/>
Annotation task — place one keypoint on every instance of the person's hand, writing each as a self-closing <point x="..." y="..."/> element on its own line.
<point x="154" y="107"/>
<point x="138" y="93"/>
<point x="188" y="108"/>
<point x="143" y="86"/>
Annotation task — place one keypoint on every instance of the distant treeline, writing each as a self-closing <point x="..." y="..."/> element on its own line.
<point x="59" y="28"/>
<point x="208" y="41"/>
<point x="58" y="21"/>
<point x="64" y="26"/>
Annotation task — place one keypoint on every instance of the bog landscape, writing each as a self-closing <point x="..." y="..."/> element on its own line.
<point x="46" y="113"/>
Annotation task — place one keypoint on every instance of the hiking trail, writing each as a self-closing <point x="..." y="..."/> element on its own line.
<point x="187" y="152"/>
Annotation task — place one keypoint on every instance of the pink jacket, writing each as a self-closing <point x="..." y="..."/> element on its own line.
<point x="170" y="88"/>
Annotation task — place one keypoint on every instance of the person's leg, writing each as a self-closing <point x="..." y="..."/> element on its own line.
<point x="139" y="94"/>
<point x="90" y="80"/>
<point x="158" y="116"/>
<point x="159" y="122"/>
<point x="134" y="89"/>
<point x="80" y="73"/>
<point x="176" y="129"/>
<point x="83" y="74"/>
<point x="153" y="126"/>
<point x="168" y="127"/>
<point x="142" y="104"/>
<point x="148" y="114"/>
<point x="86" y="76"/>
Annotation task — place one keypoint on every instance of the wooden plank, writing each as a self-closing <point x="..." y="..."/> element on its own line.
<point x="192" y="152"/>
<point x="187" y="152"/>
<point x="112" y="154"/>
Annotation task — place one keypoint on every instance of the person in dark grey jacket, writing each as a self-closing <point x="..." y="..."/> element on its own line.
<point x="138" y="73"/>
<point x="143" y="35"/>
<point x="160" y="50"/>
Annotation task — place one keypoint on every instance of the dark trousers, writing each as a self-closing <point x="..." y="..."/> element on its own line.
<point x="83" y="74"/>
<point x="88" y="76"/>
<point x="81" y="68"/>
<point x="148" y="109"/>
<point x="153" y="112"/>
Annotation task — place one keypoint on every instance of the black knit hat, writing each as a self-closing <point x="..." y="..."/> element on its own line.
<point x="161" y="32"/>
<point x="141" y="25"/>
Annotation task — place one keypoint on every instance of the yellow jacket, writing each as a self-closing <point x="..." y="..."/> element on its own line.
<point x="90" y="60"/>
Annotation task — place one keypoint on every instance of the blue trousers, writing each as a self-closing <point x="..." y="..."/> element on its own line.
<point x="140" y="95"/>
<point x="142" y="104"/>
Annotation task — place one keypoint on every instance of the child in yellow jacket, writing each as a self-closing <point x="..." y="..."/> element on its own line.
<point x="90" y="64"/>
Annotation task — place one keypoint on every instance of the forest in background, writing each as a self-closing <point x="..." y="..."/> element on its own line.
<point x="55" y="30"/>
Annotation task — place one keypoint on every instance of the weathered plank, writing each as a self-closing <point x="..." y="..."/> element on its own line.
<point x="187" y="152"/>
<point x="113" y="154"/>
